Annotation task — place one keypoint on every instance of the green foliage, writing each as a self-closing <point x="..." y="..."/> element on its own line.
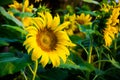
<point x="3" y="43"/>
<point x="90" y="59"/>
<point x="11" y="33"/>
<point x="15" y="28"/>
<point x="9" y="63"/>
<point x="9" y="17"/>
<point x="83" y="66"/>
<point x="5" y="2"/>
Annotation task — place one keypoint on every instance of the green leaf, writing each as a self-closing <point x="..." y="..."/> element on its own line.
<point x="8" y="40"/>
<point x="16" y="28"/>
<point x="71" y="65"/>
<point x="6" y="55"/>
<point x="76" y="39"/>
<point x="25" y="14"/>
<point x="115" y="63"/>
<point x="3" y="43"/>
<point x="20" y="14"/>
<point x="91" y="1"/>
<point x="11" y="33"/>
<point x="74" y="61"/>
<point x="8" y="16"/>
<point x="83" y="28"/>
<point x="10" y="64"/>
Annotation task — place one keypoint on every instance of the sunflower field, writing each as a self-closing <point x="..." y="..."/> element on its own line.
<point x="59" y="39"/>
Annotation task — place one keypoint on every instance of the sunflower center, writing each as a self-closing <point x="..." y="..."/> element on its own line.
<point x="81" y="22"/>
<point x="47" y="40"/>
<point x="69" y="27"/>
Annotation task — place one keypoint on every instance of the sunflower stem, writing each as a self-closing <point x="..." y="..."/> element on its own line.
<point x="90" y="54"/>
<point x="30" y="69"/>
<point x="24" y="75"/>
<point x="99" y="56"/>
<point x="90" y="51"/>
<point x="35" y="69"/>
<point x="115" y="46"/>
<point x="101" y="61"/>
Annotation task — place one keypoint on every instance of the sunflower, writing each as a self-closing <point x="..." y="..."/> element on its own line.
<point x="113" y="20"/>
<point x="46" y="39"/>
<point x="111" y="27"/>
<point x="26" y="21"/>
<point x="22" y="7"/>
<point x="83" y="19"/>
<point x="72" y="26"/>
<point x="106" y="7"/>
<point x="109" y="34"/>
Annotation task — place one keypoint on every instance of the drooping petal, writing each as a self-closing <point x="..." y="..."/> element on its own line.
<point x="35" y="55"/>
<point x="63" y="35"/>
<point x="62" y="26"/>
<point x="49" y="19"/>
<point x="44" y="59"/>
<point x="61" y="54"/>
<point x="55" y="22"/>
<point x="54" y="59"/>
<point x="63" y="48"/>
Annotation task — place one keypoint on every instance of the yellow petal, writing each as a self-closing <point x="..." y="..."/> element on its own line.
<point x="82" y="16"/>
<point x="61" y="55"/>
<point x="54" y="59"/>
<point x="49" y="19"/>
<point x="35" y="55"/>
<point x="39" y="23"/>
<point x="31" y="29"/>
<point x="29" y="49"/>
<point x="26" y="3"/>
<point x="56" y="22"/>
<point x="43" y="17"/>
<point x="14" y="5"/>
<point x="63" y="49"/>
<point x="62" y="26"/>
<point x="26" y="21"/>
<point x="44" y="59"/>
<point x="62" y="35"/>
